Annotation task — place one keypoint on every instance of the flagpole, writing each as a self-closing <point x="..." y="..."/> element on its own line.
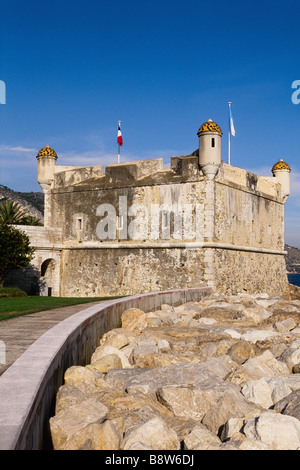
<point x="229" y="103"/>
<point x="119" y="159"/>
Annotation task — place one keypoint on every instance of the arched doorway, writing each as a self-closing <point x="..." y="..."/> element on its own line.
<point x="48" y="277"/>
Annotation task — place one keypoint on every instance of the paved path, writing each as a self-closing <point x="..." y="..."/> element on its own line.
<point x="20" y="332"/>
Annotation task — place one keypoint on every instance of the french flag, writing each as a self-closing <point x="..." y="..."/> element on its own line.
<point x="120" y="138"/>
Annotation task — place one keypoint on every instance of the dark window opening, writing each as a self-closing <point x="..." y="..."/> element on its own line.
<point x="49" y="291"/>
<point x="44" y="266"/>
<point x="213" y="142"/>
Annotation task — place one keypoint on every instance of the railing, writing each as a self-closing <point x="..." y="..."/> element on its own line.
<point x="28" y="387"/>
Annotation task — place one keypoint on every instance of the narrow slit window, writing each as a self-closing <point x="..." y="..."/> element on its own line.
<point x="212" y="141"/>
<point x="165" y="219"/>
<point x="79" y="223"/>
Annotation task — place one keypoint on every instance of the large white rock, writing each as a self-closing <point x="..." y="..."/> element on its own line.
<point x="103" y="351"/>
<point x="154" y="434"/>
<point x="215" y="369"/>
<point x="260" y="392"/>
<point x="265" y="302"/>
<point x="134" y="319"/>
<point x="94" y="436"/>
<point x="115" y="339"/>
<point x="200" y="435"/>
<point x="256" y="314"/>
<point x="192" y="401"/>
<point x="72" y="419"/>
<point x="84" y="379"/>
<point x="267" y="391"/>
<point x="258" y="335"/>
<point x="265" y="364"/>
<point x="279" y="432"/>
<point x="231" y="404"/>
<point x="291" y="356"/>
<point x="233" y="333"/>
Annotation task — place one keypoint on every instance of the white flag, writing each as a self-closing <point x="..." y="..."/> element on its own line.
<point x="232" y="129"/>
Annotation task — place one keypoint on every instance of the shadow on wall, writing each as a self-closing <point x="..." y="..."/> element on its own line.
<point x="27" y="279"/>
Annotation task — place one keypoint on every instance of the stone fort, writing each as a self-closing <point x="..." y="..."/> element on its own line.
<point x="139" y="227"/>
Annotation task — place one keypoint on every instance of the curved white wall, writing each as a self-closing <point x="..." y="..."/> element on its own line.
<point x="28" y="387"/>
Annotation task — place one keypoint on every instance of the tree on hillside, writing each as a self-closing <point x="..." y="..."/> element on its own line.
<point x="11" y="213"/>
<point x="31" y="220"/>
<point x="15" y="250"/>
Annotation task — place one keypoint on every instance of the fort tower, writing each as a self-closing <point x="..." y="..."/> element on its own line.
<point x="210" y="135"/>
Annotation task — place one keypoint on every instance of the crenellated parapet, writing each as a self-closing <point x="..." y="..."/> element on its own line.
<point x="204" y="164"/>
<point x="128" y="174"/>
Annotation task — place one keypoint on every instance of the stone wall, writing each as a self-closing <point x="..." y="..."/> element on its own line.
<point x="244" y="215"/>
<point x="42" y="276"/>
<point x="124" y="271"/>
<point x="248" y="234"/>
<point x="251" y="272"/>
<point x="82" y="206"/>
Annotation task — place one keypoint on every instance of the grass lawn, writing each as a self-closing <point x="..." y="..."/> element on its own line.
<point x="15" y="306"/>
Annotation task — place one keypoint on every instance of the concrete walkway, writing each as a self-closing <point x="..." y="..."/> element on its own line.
<point x="19" y="333"/>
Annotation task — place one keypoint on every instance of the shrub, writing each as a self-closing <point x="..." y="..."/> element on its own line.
<point x="15" y="250"/>
<point x="12" y="292"/>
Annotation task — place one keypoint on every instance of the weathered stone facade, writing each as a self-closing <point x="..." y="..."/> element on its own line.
<point x="140" y="227"/>
<point x="126" y="271"/>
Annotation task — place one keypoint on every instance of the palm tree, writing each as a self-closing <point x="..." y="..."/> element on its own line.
<point x="31" y="220"/>
<point x="11" y="213"/>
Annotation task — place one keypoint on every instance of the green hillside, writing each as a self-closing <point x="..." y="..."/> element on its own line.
<point x="292" y="259"/>
<point x="32" y="202"/>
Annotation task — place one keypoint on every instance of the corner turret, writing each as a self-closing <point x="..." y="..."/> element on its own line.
<point x="46" y="158"/>
<point x="209" y="148"/>
<point x="281" y="170"/>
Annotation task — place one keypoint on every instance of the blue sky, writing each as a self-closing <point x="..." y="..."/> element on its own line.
<point x="72" y="69"/>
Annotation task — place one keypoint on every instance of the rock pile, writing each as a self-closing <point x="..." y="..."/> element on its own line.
<point x="222" y="373"/>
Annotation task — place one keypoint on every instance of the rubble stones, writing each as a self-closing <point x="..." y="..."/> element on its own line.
<point x="277" y="431"/>
<point x="219" y="374"/>
<point x="155" y="434"/>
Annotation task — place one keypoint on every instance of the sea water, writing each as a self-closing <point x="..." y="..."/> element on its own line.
<point x="294" y="278"/>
